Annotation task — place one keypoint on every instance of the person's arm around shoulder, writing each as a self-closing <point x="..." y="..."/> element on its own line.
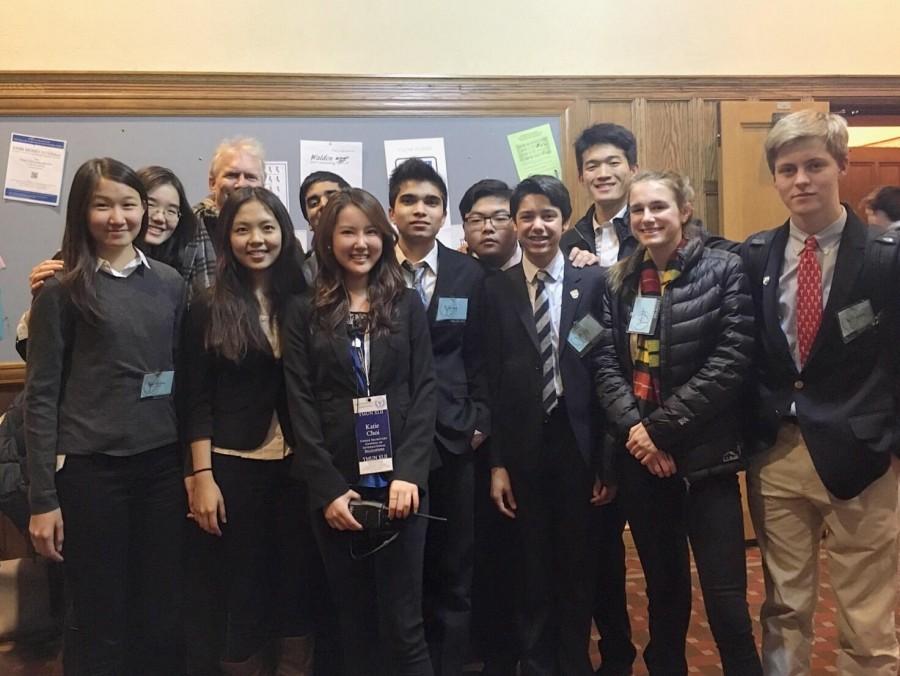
<point x="43" y="390"/>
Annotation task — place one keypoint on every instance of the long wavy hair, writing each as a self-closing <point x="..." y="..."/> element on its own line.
<point x="234" y="326"/>
<point x="170" y="252"/>
<point x="79" y="250"/>
<point x="331" y="306"/>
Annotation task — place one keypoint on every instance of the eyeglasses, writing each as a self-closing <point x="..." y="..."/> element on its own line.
<point x="170" y="213"/>
<point x="499" y="219"/>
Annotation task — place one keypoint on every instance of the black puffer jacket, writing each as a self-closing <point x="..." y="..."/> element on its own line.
<point x="706" y="333"/>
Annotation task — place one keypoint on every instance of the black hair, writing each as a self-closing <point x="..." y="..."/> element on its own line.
<point x="417" y="170"/>
<point x="887" y="199"/>
<point x="606" y="133"/>
<point x="486" y="187"/>
<point x="234" y="310"/>
<point x="318" y="177"/>
<point x="548" y="186"/>
<point x="170" y="252"/>
<point x="79" y="251"/>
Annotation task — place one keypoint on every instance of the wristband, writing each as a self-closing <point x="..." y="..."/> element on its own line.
<point x="197" y="471"/>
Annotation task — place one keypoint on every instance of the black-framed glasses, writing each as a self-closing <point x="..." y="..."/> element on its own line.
<point x="499" y="219"/>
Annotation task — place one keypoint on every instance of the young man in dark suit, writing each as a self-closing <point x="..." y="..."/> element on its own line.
<point x="315" y="190"/>
<point x="547" y="447"/>
<point x="826" y="423"/>
<point x="449" y="285"/>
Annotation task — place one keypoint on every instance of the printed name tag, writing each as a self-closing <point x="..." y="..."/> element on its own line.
<point x="373" y="435"/>
<point x="156" y="385"/>
<point x="584" y="334"/>
<point x="855" y="319"/>
<point x="644" y="316"/>
<point x="452" y="309"/>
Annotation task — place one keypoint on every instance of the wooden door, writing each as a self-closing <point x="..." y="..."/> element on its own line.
<point x="747" y="201"/>
<point x="869" y="168"/>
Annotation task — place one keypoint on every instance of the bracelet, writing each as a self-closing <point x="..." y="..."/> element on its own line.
<point x="197" y="471"/>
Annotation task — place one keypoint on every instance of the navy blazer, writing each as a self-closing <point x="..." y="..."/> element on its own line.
<point x="456" y="346"/>
<point x="845" y="395"/>
<point x="321" y="387"/>
<point x="516" y="371"/>
<point x="229" y="402"/>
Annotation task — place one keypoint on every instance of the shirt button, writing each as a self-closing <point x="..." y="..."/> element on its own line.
<point x="798" y="384"/>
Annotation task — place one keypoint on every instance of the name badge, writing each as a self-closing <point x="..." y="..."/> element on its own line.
<point x="855" y="319"/>
<point x="584" y="334"/>
<point x="157" y="385"/>
<point x="452" y="309"/>
<point x="644" y="315"/>
<point x="373" y="435"/>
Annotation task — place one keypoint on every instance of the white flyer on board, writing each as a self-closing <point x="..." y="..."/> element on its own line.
<point x="34" y="169"/>
<point x="343" y="158"/>
<point x="277" y="181"/>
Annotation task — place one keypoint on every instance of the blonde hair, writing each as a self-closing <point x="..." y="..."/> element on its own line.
<point x="238" y="144"/>
<point x="808" y="124"/>
<point x="679" y="185"/>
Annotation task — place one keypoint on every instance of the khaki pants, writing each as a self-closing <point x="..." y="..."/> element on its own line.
<point x="791" y="509"/>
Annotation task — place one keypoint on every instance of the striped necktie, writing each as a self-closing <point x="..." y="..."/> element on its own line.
<point x="418" y="279"/>
<point x="542" y="323"/>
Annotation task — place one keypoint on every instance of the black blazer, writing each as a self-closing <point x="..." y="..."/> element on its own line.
<point x="515" y="368"/>
<point x="228" y="402"/>
<point x="845" y="396"/>
<point x="321" y="387"/>
<point x="458" y="364"/>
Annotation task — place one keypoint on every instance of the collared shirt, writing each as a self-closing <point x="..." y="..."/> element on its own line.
<point x="606" y="241"/>
<point x="139" y="259"/>
<point x="554" y="287"/>
<point x="430" y="262"/>
<point x="829" y="241"/>
<point x="515" y="259"/>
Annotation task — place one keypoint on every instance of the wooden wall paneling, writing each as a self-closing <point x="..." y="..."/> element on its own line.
<point x="669" y="138"/>
<point x="707" y="114"/>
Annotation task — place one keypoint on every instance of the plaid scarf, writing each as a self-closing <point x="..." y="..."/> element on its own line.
<point x="645" y="349"/>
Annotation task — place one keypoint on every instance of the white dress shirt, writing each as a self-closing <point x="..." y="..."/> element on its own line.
<point x="606" y="241"/>
<point x="132" y="265"/>
<point x="554" y="287"/>
<point x="430" y="262"/>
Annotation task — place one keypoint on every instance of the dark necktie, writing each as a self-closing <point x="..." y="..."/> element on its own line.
<point x="543" y="325"/>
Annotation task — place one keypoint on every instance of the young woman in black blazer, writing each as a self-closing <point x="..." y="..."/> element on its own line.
<point x="363" y="333"/>
<point x="240" y="436"/>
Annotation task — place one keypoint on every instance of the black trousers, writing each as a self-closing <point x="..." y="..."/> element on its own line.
<point x="379" y="597"/>
<point x="553" y="519"/>
<point x="449" y="557"/>
<point x="610" y="601"/>
<point x="124" y="527"/>
<point x="265" y="588"/>
<point x="663" y="516"/>
<point x="494" y="588"/>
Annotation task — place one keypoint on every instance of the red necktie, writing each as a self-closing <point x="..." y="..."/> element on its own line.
<point x="809" y="298"/>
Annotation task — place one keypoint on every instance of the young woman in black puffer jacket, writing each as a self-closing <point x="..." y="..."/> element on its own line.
<point x="669" y="374"/>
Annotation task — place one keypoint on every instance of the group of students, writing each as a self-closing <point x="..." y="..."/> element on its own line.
<point x="535" y="394"/>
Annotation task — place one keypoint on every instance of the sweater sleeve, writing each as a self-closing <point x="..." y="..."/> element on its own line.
<point x="717" y="384"/>
<point x="198" y="376"/>
<point x="43" y="391"/>
<point x="412" y="457"/>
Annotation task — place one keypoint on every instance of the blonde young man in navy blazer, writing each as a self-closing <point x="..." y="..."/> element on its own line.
<point x="547" y="448"/>
<point x="825" y="293"/>
<point x="449" y="285"/>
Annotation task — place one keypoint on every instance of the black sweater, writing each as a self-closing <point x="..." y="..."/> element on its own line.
<point x="83" y="383"/>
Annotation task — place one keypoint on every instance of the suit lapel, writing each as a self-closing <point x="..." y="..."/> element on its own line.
<point x="850" y="258"/>
<point x="771" y="275"/>
<point x="571" y="297"/>
<point x="341" y="347"/>
<point x="522" y="302"/>
<point x="443" y="283"/>
<point x="378" y="361"/>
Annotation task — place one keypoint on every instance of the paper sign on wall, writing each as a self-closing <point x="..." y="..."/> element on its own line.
<point x="343" y="158"/>
<point x="277" y="181"/>
<point x="534" y="152"/>
<point x="34" y="169"/>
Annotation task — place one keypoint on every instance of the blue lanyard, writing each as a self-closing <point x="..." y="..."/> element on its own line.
<point x="358" y="357"/>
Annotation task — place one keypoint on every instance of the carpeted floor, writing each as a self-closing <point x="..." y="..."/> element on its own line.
<point x="39" y="659"/>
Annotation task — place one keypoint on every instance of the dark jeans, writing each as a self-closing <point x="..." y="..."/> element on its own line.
<point x="124" y="527"/>
<point x="449" y="552"/>
<point x="662" y="515"/>
<point x="610" y="601"/>
<point x="265" y="587"/>
<point x="379" y="597"/>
